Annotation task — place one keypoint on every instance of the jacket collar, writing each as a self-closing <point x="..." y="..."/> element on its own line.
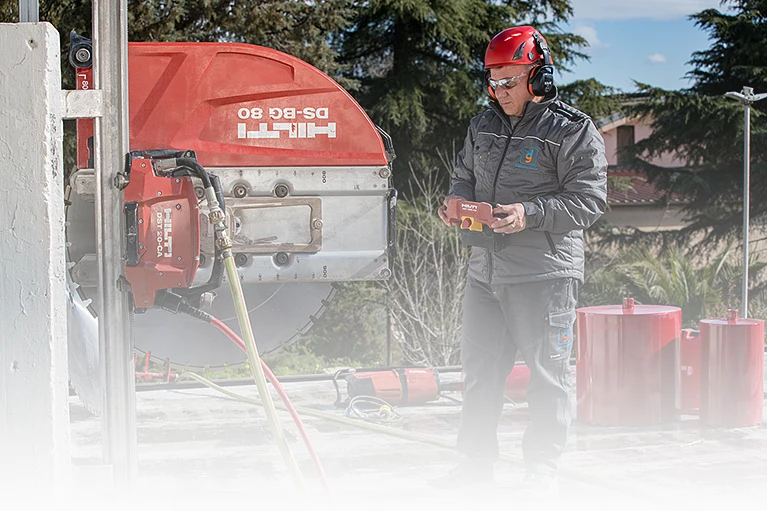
<point x="532" y="109"/>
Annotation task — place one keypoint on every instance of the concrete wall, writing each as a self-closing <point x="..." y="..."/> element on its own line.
<point x="34" y="415"/>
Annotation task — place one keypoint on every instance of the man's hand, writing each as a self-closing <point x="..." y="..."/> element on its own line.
<point x="513" y="221"/>
<point x="442" y="212"/>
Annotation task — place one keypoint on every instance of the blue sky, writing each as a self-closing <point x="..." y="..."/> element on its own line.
<point x="645" y="40"/>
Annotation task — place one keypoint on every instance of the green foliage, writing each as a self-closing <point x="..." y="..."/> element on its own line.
<point x="419" y="64"/>
<point x="227" y="372"/>
<point x="738" y="54"/>
<point x="593" y="98"/>
<point x="295" y="359"/>
<point x="705" y="130"/>
<point x="9" y="11"/>
<point x="620" y="184"/>
<point x="702" y="289"/>
<point x="353" y="328"/>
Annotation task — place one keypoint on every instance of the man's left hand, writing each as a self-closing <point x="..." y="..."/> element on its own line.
<point x="513" y="221"/>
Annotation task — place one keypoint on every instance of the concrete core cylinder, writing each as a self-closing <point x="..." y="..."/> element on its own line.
<point x="732" y="377"/>
<point x="627" y="368"/>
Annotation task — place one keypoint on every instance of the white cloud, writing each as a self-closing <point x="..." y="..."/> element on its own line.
<point x="657" y="58"/>
<point x="589" y="33"/>
<point x="629" y="9"/>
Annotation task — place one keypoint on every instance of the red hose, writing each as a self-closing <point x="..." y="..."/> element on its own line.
<point x="281" y="392"/>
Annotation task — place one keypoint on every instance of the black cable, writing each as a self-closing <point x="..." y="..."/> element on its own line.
<point x="451" y="398"/>
<point x="175" y="303"/>
<point x="216" y="182"/>
<point x="190" y="166"/>
<point x="198" y="169"/>
<point x="339" y="399"/>
<point x="375" y="410"/>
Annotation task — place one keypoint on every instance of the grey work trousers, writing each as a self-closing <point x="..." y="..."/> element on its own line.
<point x="535" y="319"/>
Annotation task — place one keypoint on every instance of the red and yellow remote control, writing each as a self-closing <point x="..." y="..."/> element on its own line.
<point x="472" y="215"/>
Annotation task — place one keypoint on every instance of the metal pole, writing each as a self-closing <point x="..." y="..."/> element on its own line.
<point x="746" y="201"/>
<point x="110" y="40"/>
<point x="746" y="98"/>
<point x="29" y="11"/>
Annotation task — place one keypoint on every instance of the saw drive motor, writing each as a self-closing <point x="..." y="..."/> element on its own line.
<point x="162" y="231"/>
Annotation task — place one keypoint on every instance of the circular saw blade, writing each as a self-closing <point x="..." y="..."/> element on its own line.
<point x="83" y="351"/>
<point x="278" y="312"/>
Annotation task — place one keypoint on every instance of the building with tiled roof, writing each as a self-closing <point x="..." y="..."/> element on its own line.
<point x="642" y="206"/>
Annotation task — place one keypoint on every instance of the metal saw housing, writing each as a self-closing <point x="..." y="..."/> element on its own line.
<point x="306" y="177"/>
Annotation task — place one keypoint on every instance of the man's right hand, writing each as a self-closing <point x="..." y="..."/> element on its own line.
<point x="442" y="212"/>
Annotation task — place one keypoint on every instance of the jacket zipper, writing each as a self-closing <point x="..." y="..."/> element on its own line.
<point x="495" y="182"/>
<point x="551" y="243"/>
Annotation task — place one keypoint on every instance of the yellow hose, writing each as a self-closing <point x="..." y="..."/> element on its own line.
<point x="257" y="372"/>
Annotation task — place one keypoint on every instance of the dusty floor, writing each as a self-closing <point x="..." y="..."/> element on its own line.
<point x="198" y="449"/>
<point x="201" y="450"/>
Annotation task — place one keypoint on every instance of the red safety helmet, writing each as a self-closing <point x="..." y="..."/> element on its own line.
<point x="517" y="45"/>
<point x="522" y="45"/>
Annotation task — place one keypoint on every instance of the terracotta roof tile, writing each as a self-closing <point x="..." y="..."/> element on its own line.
<point x="642" y="192"/>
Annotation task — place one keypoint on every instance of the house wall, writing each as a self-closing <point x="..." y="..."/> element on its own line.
<point x="642" y="130"/>
<point x="645" y="218"/>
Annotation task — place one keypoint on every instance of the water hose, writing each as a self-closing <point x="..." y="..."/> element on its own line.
<point x="224" y="244"/>
<point x="285" y="400"/>
<point x="177" y="304"/>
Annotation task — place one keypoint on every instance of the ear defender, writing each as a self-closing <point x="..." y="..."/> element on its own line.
<point x="490" y="91"/>
<point x="531" y="78"/>
<point x="541" y="79"/>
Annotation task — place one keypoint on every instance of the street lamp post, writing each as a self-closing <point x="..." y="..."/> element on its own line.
<point x="747" y="98"/>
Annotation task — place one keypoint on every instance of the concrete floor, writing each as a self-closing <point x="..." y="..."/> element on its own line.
<point x="201" y="450"/>
<point x="198" y="449"/>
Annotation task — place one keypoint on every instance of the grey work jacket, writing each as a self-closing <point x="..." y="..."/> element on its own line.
<point x="552" y="161"/>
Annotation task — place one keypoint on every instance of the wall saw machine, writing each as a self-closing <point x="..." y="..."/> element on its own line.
<point x="304" y="174"/>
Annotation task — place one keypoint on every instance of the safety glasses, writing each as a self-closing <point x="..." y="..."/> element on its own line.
<point x="505" y="83"/>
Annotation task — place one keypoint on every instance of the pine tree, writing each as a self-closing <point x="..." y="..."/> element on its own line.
<point x="302" y="29"/>
<point x="705" y="130"/>
<point x="414" y="65"/>
<point x="595" y="99"/>
<point x="419" y="65"/>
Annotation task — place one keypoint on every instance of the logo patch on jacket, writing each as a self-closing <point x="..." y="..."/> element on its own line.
<point x="528" y="160"/>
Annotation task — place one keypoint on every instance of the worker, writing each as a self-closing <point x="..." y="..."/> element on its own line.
<point x="542" y="166"/>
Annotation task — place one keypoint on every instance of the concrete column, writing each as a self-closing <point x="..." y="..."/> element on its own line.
<point x="34" y="414"/>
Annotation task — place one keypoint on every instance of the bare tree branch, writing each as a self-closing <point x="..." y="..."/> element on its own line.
<point x="426" y="289"/>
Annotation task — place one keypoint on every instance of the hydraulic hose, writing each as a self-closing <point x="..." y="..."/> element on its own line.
<point x="174" y="303"/>
<point x="223" y="244"/>
<point x="575" y="475"/>
<point x="257" y="371"/>
<point x="285" y="400"/>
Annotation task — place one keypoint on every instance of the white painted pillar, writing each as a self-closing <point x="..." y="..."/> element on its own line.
<point x="34" y="414"/>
